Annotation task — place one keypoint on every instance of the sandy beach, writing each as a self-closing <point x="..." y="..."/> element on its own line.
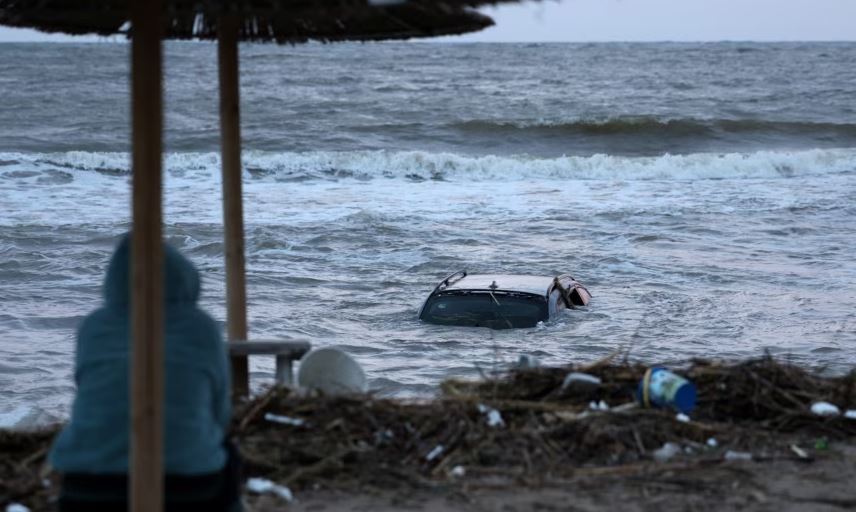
<point x="823" y="485"/>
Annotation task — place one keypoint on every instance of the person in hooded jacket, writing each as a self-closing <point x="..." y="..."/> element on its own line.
<point x="201" y="466"/>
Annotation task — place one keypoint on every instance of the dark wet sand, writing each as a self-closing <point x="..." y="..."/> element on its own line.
<point x="824" y="484"/>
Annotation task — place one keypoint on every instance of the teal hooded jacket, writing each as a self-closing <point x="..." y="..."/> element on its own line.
<point x="197" y="404"/>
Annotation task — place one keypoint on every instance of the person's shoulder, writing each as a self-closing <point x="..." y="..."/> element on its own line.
<point x="102" y="320"/>
<point x="205" y="328"/>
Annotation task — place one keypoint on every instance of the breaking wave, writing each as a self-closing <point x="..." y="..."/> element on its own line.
<point x="60" y="168"/>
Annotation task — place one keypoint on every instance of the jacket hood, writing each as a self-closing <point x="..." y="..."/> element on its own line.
<point x="181" y="279"/>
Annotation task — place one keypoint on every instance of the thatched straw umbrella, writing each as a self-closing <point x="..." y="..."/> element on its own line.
<point x="151" y="21"/>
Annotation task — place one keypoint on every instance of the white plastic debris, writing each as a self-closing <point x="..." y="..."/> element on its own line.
<point x="436" y="452"/>
<point x="580" y="382"/>
<point x="265" y="486"/>
<point x="458" y="471"/>
<point x="666" y="452"/>
<point x="285" y="420"/>
<point x="825" y="409"/>
<point x="850" y="414"/>
<point x="712" y="442"/>
<point x="799" y="451"/>
<point x="494" y="418"/>
<point x="683" y="418"/>
<point x="16" y="507"/>
<point x="598" y="406"/>
<point x="332" y="371"/>
<point x="732" y="455"/>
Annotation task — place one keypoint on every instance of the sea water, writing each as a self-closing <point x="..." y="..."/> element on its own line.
<point x="704" y="193"/>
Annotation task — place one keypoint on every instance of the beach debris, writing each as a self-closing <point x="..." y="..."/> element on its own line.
<point x="458" y="472"/>
<point x="850" y="414"/>
<point x="683" y="418"/>
<point x="732" y="455"/>
<point x="799" y="451"/>
<point x="825" y="409"/>
<point x="332" y="371"/>
<point x="436" y="452"/>
<point x="527" y="362"/>
<point x="666" y="452"/>
<point x="265" y="486"/>
<point x="661" y="388"/>
<point x="598" y="406"/>
<point x="284" y="420"/>
<point x="761" y="406"/>
<point x="580" y="383"/>
<point x="494" y="418"/>
<point x="16" y="507"/>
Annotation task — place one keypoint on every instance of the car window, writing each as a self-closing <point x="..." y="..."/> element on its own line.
<point x="482" y="309"/>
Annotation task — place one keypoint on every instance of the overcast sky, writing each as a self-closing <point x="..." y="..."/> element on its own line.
<point x="643" y="20"/>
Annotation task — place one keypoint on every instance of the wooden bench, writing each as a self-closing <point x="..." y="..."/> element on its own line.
<point x="285" y="351"/>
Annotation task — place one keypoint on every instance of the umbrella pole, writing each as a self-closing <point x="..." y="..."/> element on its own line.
<point x="146" y="450"/>
<point x="233" y="216"/>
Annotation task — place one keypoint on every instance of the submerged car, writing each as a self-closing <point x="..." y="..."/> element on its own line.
<point x="501" y="301"/>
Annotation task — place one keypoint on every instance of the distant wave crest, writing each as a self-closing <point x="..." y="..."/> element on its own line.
<point x="58" y="168"/>
<point x="648" y="125"/>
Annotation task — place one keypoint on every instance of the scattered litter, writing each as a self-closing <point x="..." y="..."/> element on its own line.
<point x="494" y="419"/>
<point x="825" y="409"/>
<point x="712" y="442"/>
<point x="683" y="418"/>
<point x="599" y="406"/>
<point x="799" y="451"/>
<point x="661" y="388"/>
<point x="732" y="455"/>
<point x="458" y="471"/>
<point x="821" y="443"/>
<point x="527" y="362"/>
<point x="265" y="486"/>
<point x="285" y="420"/>
<point x="580" y="383"/>
<point x="16" y="507"/>
<point x="850" y="414"/>
<point x="433" y="454"/>
<point x="666" y="452"/>
<point x="629" y="406"/>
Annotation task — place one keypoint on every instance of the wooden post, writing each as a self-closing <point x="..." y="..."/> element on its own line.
<point x="146" y="387"/>
<point x="233" y="215"/>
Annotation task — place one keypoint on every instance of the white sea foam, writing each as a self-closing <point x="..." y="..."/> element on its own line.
<point x="420" y="165"/>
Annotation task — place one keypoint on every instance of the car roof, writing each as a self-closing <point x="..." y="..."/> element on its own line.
<point x="504" y="282"/>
